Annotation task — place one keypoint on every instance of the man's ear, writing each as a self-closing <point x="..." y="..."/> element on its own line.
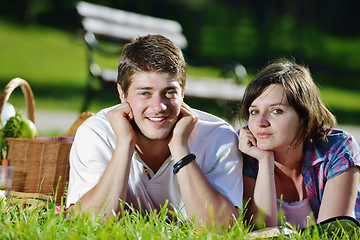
<point x="183" y="93"/>
<point x="121" y="93"/>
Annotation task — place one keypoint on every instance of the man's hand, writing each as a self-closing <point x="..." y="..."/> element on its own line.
<point x="203" y="202"/>
<point x="120" y="118"/>
<point x="181" y="132"/>
<point x="113" y="184"/>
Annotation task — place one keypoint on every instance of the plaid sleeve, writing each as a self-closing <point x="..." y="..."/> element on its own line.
<point x="342" y="155"/>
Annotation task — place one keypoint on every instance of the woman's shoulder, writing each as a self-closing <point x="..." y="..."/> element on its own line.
<point x="337" y="153"/>
<point x="331" y="136"/>
<point x="335" y="140"/>
<point x="338" y="144"/>
<point x="336" y="136"/>
<point x="336" y="132"/>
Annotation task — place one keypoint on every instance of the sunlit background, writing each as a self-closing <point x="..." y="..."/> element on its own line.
<point x="42" y="42"/>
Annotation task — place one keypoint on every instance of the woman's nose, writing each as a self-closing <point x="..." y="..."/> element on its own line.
<point x="263" y="120"/>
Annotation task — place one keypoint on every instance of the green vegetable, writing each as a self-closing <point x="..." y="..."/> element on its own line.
<point x="16" y="127"/>
<point x="12" y="126"/>
<point x="3" y="146"/>
<point x="11" y="129"/>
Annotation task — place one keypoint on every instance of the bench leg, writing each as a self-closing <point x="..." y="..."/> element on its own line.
<point x="89" y="94"/>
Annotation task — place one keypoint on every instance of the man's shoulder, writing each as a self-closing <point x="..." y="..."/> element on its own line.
<point x="212" y="127"/>
<point x="210" y="120"/>
<point x="101" y="115"/>
<point x="208" y="117"/>
<point x="99" y="121"/>
<point x="104" y="111"/>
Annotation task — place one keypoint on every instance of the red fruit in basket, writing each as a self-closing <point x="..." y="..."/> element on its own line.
<point x="27" y="129"/>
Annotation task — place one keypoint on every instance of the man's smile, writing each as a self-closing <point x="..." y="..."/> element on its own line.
<point x="156" y="119"/>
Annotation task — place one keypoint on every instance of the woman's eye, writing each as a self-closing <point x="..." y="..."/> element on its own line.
<point x="253" y="112"/>
<point x="277" y="111"/>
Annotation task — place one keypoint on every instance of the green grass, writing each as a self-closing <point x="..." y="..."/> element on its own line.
<point x="344" y="104"/>
<point x="51" y="56"/>
<point x="34" y="222"/>
<point x="52" y="61"/>
<point x="43" y="223"/>
<point x="341" y="99"/>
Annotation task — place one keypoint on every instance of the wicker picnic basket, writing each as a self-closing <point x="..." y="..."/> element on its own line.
<point x="41" y="166"/>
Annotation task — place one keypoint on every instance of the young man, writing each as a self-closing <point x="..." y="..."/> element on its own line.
<point x="153" y="147"/>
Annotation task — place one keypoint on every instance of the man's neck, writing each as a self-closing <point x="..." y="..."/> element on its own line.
<point x="153" y="152"/>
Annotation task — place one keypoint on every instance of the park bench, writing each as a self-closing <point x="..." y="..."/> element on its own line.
<point x="102" y="23"/>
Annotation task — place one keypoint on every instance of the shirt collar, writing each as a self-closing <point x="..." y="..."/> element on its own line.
<point x="164" y="166"/>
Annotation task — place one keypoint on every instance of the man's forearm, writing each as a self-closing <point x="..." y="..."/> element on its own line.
<point x="202" y="200"/>
<point x="104" y="197"/>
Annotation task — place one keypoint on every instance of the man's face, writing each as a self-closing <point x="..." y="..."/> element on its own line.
<point x="155" y="100"/>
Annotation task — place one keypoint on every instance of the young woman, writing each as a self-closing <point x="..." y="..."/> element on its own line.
<point x="294" y="160"/>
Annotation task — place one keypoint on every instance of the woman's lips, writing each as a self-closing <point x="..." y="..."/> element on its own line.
<point x="263" y="135"/>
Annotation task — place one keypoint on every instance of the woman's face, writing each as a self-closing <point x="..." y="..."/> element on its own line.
<point x="272" y="121"/>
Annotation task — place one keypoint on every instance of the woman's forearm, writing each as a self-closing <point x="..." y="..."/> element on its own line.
<point x="264" y="200"/>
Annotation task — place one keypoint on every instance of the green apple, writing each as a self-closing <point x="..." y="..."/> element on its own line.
<point x="27" y="129"/>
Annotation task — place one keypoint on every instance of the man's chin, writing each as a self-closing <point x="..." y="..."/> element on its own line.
<point x="155" y="137"/>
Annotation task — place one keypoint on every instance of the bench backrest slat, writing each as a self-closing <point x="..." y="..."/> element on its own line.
<point x="125" y="25"/>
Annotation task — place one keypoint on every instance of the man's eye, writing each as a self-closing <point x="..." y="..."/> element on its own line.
<point x="170" y="93"/>
<point x="143" y="93"/>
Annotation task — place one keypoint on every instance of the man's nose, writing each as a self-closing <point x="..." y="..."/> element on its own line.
<point x="158" y="103"/>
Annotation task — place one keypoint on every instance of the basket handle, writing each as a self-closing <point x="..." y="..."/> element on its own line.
<point x="26" y="89"/>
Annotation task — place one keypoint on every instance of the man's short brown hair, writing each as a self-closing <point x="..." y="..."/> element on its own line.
<point x="151" y="53"/>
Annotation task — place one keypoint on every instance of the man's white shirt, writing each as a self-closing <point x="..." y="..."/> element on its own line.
<point x="213" y="141"/>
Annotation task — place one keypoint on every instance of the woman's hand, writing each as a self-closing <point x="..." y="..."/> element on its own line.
<point x="247" y="145"/>
<point x="260" y="191"/>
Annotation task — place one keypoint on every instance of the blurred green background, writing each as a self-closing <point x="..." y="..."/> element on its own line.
<point x="41" y="41"/>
